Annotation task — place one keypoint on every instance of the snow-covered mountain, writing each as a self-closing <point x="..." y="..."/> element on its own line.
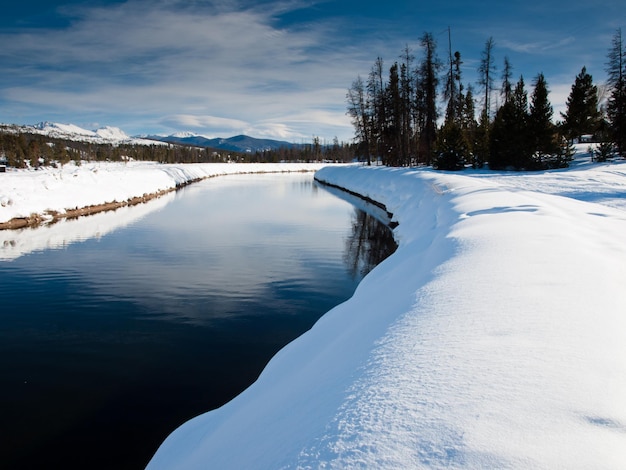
<point x="116" y="136"/>
<point x="103" y="135"/>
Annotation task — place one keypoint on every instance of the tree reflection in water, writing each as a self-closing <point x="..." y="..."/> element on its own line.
<point x="370" y="243"/>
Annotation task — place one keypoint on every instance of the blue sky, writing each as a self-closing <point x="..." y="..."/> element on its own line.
<point x="269" y="68"/>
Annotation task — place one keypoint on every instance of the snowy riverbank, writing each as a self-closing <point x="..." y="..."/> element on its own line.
<point x="493" y="338"/>
<point x="29" y="197"/>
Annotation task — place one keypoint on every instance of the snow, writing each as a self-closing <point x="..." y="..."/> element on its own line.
<point x="103" y="135"/>
<point x="27" y="192"/>
<point x="65" y="129"/>
<point x="185" y="134"/>
<point x="493" y="338"/>
<point x="17" y="243"/>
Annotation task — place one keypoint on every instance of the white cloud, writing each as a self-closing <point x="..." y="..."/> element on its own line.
<point x="142" y="63"/>
<point x="203" y="122"/>
<point x="213" y="66"/>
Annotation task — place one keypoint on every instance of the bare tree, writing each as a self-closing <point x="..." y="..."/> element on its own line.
<point x="486" y="69"/>
<point x="357" y="110"/>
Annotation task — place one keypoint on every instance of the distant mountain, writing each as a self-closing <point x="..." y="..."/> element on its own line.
<point x="239" y="143"/>
<point x="116" y="136"/>
<point x="103" y="135"/>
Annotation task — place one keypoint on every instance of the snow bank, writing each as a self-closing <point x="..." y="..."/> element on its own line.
<point x="17" y="243"/>
<point x="493" y="338"/>
<point x="27" y="192"/>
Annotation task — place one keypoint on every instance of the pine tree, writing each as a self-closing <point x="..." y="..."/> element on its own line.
<point x="486" y="70"/>
<point x="393" y="128"/>
<point x="406" y="98"/>
<point x="453" y="89"/>
<point x="542" y="130"/>
<point x="616" y="108"/>
<point x="509" y="140"/>
<point x="482" y="142"/>
<point x="468" y="124"/>
<point x="581" y="116"/>
<point x="507" y="74"/>
<point x="427" y="91"/>
<point x="451" y="147"/>
<point x="377" y="105"/>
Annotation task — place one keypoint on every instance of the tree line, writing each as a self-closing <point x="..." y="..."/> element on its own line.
<point x="22" y="150"/>
<point x="396" y="113"/>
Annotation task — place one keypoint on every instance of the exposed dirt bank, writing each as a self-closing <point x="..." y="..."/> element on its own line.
<point x="51" y="216"/>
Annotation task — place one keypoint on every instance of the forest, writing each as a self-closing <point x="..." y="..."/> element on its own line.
<point x="22" y="150"/>
<point x="398" y="119"/>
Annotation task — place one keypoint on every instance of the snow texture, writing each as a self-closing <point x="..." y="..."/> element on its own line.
<point x="493" y="338"/>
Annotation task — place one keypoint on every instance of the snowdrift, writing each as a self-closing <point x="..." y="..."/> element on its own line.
<point x="493" y="338"/>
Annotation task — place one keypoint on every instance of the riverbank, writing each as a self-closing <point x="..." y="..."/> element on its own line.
<point x="35" y="197"/>
<point x="492" y="338"/>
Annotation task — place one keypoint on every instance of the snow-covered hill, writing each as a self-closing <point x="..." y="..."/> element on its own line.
<point x="103" y="135"/>
<point x="116" y="136"/>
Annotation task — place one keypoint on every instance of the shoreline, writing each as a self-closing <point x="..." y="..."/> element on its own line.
<point x="51" y="216"/>
<point x="36" y="220"/>
<point x="392" y="223"/>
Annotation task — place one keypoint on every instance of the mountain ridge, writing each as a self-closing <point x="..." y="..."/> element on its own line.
<point x="237" y="143"/>
<point x="114" y="135"/>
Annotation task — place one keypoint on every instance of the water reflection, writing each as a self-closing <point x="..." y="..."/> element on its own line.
<point x="17" y="243"/>
<point x="370" y="243"/>
<point x="107" y="345"/>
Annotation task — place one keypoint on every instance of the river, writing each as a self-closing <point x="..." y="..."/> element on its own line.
<point x="118" y="327"/>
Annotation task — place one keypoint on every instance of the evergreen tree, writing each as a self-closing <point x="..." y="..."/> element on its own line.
<point x="453" y="90"/>
<point x="507" y="74"/>
<point x="482" y="142"/>
<point x="542" y="130"/>
<point x="394" y="125"/>
<point x="427" y="85"/>
<point x="377" y="105"/>
<point x="582" y="115"/>
<point x="406" y="98"/>
<point x="616" y="108"/>
<point x="468" y="123"/>
<point x="510" y="138"/>
<point x="486" y="70"/>
<point x="452" y="147"/>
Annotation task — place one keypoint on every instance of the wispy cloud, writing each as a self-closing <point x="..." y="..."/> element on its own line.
<point x="192" y="122"/>
<point x="277" y="68"/>
<point x="536" y="47"/>
<point x="177" y="58"/>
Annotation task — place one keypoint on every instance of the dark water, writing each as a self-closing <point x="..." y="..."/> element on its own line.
<point x="123" y="330"/>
